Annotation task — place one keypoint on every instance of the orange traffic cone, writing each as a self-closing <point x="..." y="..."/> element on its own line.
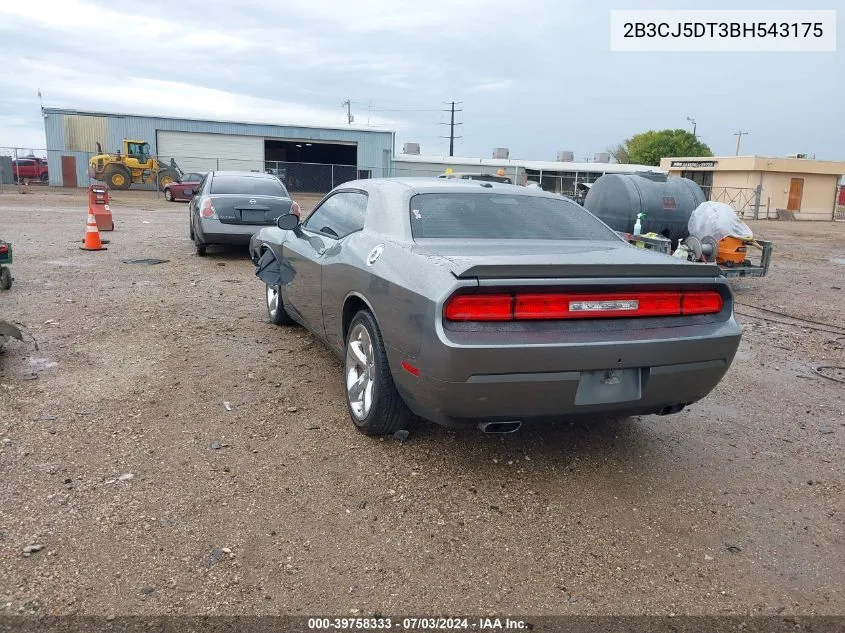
<point x="92" y="236"/>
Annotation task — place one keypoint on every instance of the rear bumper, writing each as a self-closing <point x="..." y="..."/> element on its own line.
<point x="216" y="232"/>
<point x="543" y="382"/>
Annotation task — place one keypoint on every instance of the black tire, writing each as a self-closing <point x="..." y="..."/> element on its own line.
<point x="191" y="229"/>
<point x="118" y="177"/>
<point x="165" y="177"/>
<point x="45" y="178"/>
<point x="277" y="315"/>
<point x="5" y="278"/>
<point x="168" y="195"/>
<point x="387" y="413"/>
<point x="199" y="245"/>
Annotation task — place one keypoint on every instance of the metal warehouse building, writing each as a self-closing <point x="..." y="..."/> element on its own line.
<point x="305" y="158"/>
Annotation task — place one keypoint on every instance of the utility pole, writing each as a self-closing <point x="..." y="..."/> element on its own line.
<point x="349" y="116"/>
<point x="452" y="125"/>
<point x="738" y="136"/>
<point x="691" y="120"/>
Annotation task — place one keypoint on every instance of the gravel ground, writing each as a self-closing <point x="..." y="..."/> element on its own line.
<point x="120" y="458"/>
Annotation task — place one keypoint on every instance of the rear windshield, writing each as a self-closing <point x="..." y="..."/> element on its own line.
<point x="248" y="185"/>
<point x="503" y="216"/>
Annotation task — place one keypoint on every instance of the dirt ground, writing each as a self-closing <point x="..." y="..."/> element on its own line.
<point x="148" y="496"/>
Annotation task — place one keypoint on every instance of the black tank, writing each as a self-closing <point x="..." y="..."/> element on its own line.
<point x="667" y="202"/>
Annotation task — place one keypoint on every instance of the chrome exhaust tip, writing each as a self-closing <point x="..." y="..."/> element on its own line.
<point x="499" y="428"/>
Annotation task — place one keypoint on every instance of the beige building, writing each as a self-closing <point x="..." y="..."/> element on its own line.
<point x="758" y="186"/>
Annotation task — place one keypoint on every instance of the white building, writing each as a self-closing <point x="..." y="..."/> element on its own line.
<point x="557" y="176"/>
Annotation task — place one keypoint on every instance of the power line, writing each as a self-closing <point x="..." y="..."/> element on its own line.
<point x="369" y="106"/>
<point x="452" y="125"/>
<point x="404" y="110"/>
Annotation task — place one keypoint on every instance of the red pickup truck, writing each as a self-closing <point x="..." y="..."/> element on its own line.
<point x="31" y="168"/>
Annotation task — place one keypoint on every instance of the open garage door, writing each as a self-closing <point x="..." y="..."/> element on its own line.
<point x="195" y="151"/>
<point x="311" y="166"/>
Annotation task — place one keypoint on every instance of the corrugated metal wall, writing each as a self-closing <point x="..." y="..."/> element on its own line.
<point x="199" y="151"/>
<point x="372" y="145"/>
<point x="54" y="128"/>
<point x="82" y="133"/>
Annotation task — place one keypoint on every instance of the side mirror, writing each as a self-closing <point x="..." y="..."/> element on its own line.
<point x="287" y="222"/>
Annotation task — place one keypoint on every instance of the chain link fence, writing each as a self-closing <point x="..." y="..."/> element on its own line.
<point x="747" y="202"/>
<point x="22" y="167"/>
<point x="26" y="169"/>
<point x="572" y="184"/>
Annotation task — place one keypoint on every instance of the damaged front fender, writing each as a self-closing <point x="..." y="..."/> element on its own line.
<point x="273" y="271"/>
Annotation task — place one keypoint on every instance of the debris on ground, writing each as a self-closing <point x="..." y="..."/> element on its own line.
<point x="401" y="435"/>
<point x="146" y="262"/>
<point x="31" y="549"/>
<point x="217" y="555"/>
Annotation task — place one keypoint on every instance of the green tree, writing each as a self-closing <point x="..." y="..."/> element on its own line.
<point x="649" y="147"/>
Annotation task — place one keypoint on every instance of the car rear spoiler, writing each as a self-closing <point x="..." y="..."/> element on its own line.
<point x="552" y="271"/>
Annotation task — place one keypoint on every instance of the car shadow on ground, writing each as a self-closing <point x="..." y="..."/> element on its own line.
<point x="635" y="442"/>
<point x="225" y="253"/>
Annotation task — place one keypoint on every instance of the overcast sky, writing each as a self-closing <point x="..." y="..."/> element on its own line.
<point x="536" y="77"/>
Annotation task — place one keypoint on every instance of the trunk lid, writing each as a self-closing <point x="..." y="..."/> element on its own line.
<point x="548" y="259"/>
<point x="255" y="210"/>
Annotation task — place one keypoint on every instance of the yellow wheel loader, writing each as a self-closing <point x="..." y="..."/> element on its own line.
<point x="134" y="166"/>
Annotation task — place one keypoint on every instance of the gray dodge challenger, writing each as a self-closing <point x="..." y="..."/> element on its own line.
<point x="479" y="303"/>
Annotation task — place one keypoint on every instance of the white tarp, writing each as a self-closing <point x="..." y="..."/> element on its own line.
<point x="717" y="220"/>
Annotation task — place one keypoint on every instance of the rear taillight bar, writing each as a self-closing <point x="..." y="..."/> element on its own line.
<point x="532" y="306"/>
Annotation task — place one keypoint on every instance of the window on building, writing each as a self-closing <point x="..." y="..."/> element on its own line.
<point x="703" y="179"/>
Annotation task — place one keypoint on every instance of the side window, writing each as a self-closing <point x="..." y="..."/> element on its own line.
<point x="339" y="215"/>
